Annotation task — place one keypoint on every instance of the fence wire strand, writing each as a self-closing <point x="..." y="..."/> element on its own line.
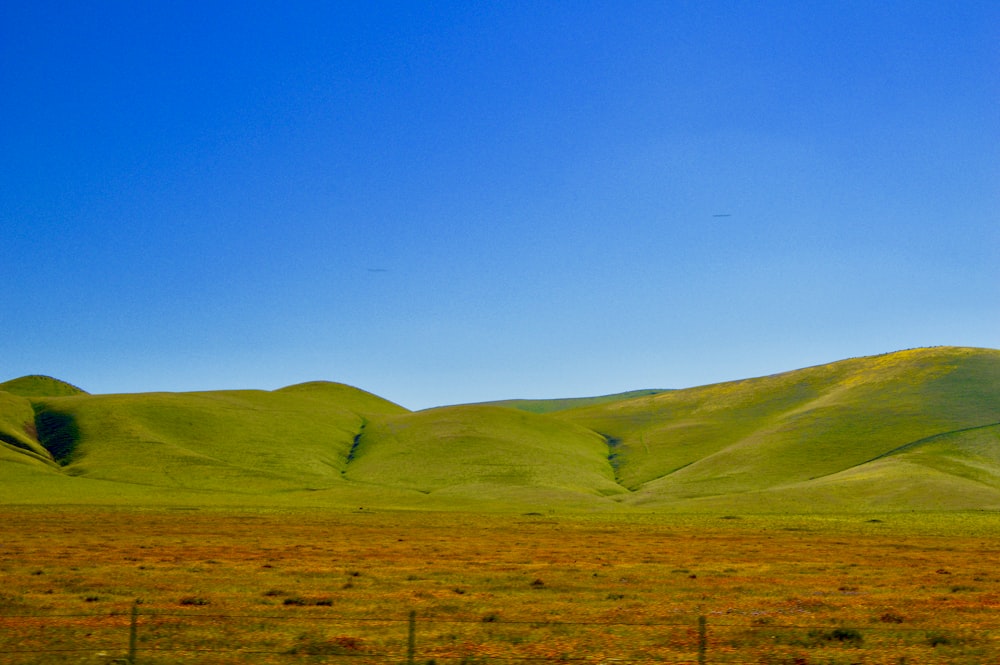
<point x="138" y="617"/>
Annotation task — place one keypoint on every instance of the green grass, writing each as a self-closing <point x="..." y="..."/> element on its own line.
<point x="796" y="428"/>
<point x="39" y="386"/>
<point x="18" y="439"/>
<point x="241" y="441"/>
<point x="211" y="446"/>
<point x="552" y="405"/>
<point x="469" y="451"/>
<point x="913" y="430"/>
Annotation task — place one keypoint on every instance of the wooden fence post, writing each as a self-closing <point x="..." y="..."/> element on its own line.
<point x="132" y="633"/>
<point x="411" y="642"/>
<point x="702" y="640"/>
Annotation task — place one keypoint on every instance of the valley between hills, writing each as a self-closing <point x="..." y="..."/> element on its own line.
<point x="914" y="430"/>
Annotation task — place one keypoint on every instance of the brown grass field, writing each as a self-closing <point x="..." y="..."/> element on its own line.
<point x="310" y="587"/>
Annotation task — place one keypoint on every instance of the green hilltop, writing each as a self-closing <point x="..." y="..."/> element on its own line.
<point x="911" y="430"/>
<point x="37" y="385"/>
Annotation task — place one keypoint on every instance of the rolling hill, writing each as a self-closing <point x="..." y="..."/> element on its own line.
<point x="484" y="451"/>
<point x="911" y="430"/>
<point x="773" y="440"/>
<point x="551" y="405"/>
<point x="37" y="385"/>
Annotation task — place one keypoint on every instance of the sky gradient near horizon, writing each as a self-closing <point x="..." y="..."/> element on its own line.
<point x="451" y="202"/>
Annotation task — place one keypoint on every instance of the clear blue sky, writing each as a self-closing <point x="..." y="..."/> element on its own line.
<point x="455" y="202"/>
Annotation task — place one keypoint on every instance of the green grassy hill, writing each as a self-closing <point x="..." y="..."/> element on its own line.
<point x="798" y="427"/>
<point x="913" y="430"/>
<point x="483" y="452"/>
<point x="37" y="385"/>
<point x="552" y="405"/>
<point x="18" y="439"/>
<point x="242" y="441"/>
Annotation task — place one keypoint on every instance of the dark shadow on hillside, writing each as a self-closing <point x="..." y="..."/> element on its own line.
<point x="13" y="441"/>
<point x="614" y="444"/>
<point x="23" y="448"/>
<point x="59" y="433"/>
<point x="352" y="453"/>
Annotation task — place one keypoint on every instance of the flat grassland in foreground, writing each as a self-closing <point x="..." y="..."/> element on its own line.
<point x="313" y="586"/>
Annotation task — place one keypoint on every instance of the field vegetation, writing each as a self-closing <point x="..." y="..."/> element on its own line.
<point x="293" y="585"/>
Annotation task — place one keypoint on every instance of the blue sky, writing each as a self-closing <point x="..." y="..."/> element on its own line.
<point x="453" y="202"/>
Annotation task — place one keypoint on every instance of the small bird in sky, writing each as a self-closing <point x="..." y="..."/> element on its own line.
<point x="722" y="214"/>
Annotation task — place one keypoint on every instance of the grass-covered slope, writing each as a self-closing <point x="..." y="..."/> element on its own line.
<point x="342" y="396"/>
<point x="235" y="441"/>
<point x="952" y="472"/>
<point x="917" y="429"/>
<point x="37" y="385"/>
<point x="18" y="439"/>
<point x="483" y="451"/>
<point x="551" y="405"/>
<point x="798" y="427"/>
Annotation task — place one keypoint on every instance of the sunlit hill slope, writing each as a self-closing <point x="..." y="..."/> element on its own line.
<point x="912" y="430"/>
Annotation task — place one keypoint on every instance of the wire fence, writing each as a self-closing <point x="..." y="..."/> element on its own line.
<point x="153" y="637"/>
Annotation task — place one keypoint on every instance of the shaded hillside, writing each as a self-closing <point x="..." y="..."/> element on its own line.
<point x="18" y="437"/>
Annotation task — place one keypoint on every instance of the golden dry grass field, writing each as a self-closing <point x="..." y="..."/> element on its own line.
<point x="302" y="586"/>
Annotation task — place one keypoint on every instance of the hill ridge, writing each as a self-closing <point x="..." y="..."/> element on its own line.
<point x="933" y="437"/>
<point x="40" y="385"/>
<point x="845" y="435"/>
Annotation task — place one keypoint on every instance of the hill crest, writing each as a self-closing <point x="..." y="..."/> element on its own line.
<point x="39" y="385"/>
<point x="911" y="430"/>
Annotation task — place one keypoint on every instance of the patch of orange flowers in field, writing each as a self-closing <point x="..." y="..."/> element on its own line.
<point x="236" y="587"/>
